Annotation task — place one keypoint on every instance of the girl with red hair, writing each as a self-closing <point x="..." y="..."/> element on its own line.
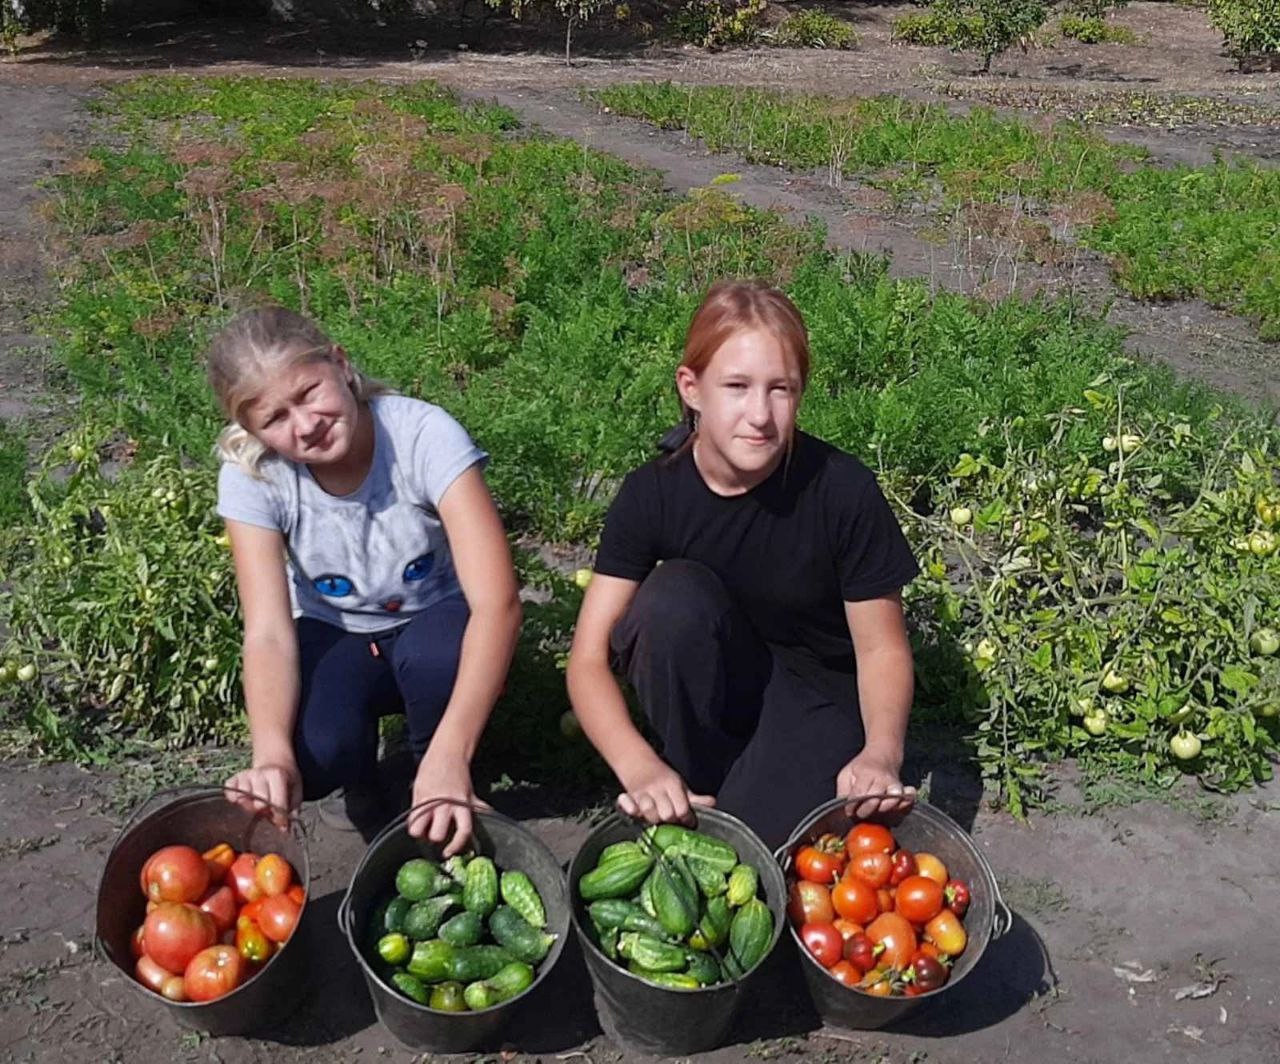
<point x="748" y="587"/>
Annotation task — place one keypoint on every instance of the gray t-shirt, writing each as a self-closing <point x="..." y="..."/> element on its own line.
<point x="371" y="560"/>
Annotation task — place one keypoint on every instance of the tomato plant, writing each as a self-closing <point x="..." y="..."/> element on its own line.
<point x="175" y="932"/>
<point x="213" y="972"/>
<point x="175" y="873"/>
<point x="823" y="941"/>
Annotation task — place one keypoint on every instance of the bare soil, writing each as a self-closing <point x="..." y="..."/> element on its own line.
<point x="1142" y="930"/>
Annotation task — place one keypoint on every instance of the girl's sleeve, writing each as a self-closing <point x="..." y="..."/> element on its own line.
<point x="628" y="544"/>
<point x="445" y="450"/>
<point x="242" y="497"/>
<point x="873" y="556"/>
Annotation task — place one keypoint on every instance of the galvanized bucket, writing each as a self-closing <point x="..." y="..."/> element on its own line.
<point x="512" y="847"/>
<point x="654" y="1019"/>
<point x="924" y="829"/>
<point x="201" y="817"/>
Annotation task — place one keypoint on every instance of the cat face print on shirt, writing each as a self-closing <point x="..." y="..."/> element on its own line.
<point x="335" y="586"/>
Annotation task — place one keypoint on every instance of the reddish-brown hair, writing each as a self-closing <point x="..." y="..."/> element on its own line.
<point x="731" y="306"/>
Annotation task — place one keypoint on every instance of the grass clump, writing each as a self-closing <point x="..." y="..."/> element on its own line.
<point x="814" y="28"/>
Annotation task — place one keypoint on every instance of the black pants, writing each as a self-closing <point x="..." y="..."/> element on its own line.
<point x="733" y="719"/>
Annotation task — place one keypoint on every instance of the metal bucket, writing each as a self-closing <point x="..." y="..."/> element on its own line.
<point x="512" y="846"/>
<point x="201" y="817"/>
<point x="924" y="829"/>
<point x="659" y="1020"/>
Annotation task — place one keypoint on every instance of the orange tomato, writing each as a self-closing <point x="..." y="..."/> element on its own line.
<point x="278" y="917"/>
<point x="855" y="899"/>
<point x="871" y="866"/>
<point x="919" y="899"/>
<point x="930" y="867"/>
<point x="218" y="859"/>
<point x="877" y="983"/>
<point x="297" y="894"/>
<point x="846" y="973"/>
<point x="273" y="875"/>
<point x="898" y="938"/>
<point x="868" y="837"/>
<point x="947" y="933"/>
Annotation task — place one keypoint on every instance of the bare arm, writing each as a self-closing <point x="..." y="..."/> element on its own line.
<point x="271" y="682"/>
<point x="482" y="560"/>
<point x="651" y="788"/>
<point x="886" y="685"/>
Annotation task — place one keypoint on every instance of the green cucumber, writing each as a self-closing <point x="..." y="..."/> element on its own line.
<point x="675" y="898"/>
<point x="711" y="881"/>
<point x="743" y="884"/>
<point x="472" y="963"/>
<point x="480" y="894"/>
<point x="447" y="997"/>
<point x="673" y="839"/>
<point x="518" y="891"/>
<point x="703" y="967"/>
<point x="625" y="916"/>
<point x="612" y="852"/>
<point x="652" y="953"/>
<point x="410" y="987"/>
<point x="394" y="913"/>
<point x="513" y="931"/>
<point x="667" y="980"/>
<point x="463" y="929"/>
<point x="424" y="918"/>
<point x="431" y="961"/>
<point x="750" y="934"/>
<point x="420" y="879"/>
<point x="619" y="878"/>
<point x="713" y="929"/>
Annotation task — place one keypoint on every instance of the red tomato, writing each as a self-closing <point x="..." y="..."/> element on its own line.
<point x="957" y="895"/>
<point x="241" y="876"/>
<point x="871" y="866"/>
<point x="861" y="952"/>
<point x="809" y="903"/>
<point x="278" y="917"/>
<point x="221" y="905"/>
<point x="175" y="873"/>
<point x="142" y="876"/>
<point x="137" y="944"/>
<point x="253" y="910"/>
<point x="919" y="899"/>
<point x="846" y="973"/>
<point x="824" y="942"/>
<point x="274" y="875"/>
<point x="869" y="838"/>
<point x="903" y="865"/>
<point x="855" y="900"/>
<point x="251" y="943"/>
<point x="945" y="931"/>
<point x="297" y="894"/>
<point x="885" y="899"/>
<point x="151" y="975"/>
<point x="830" y="843"/>
<point x="175" y="933"/>
<point x="213" y="972"/>
<point x="218" y="859"/>
<point x="931" y="868"/>
<point x="818" y="867"/>
<point x="928" y="949"/>
<point x="928" y="973"/>
<point x="898" y="938"/>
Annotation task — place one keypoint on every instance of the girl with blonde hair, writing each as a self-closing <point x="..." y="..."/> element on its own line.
<point x="373" y="573"/>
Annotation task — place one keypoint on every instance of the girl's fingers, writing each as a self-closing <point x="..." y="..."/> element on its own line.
<point x="461" y="831"/>
<point x="628" y="805"/>
<point x="702" y="799"/>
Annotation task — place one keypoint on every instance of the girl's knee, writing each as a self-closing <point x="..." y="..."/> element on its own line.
<point x="680" y="597"/>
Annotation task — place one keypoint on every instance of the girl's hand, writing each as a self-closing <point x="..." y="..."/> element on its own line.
<point x="659" y="795"/>
<point x="444" y="778"/>
<point x="274" y="784"/>
<point x="871" y="773"/>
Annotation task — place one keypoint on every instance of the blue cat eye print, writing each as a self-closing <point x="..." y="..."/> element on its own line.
<point x="332" y="585"/>
<point x="419" y="568"/>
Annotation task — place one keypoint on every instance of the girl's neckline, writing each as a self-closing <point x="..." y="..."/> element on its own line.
<point x="730" y="496"/>
<point x="374" y="445"/>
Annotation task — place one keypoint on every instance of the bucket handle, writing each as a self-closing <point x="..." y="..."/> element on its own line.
<point x="783" y="853"/>
<point x="345" y="915"/>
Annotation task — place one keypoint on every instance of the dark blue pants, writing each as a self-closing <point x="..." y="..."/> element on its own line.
<point x="346" y="687"/>
<point x="734" y="718"/>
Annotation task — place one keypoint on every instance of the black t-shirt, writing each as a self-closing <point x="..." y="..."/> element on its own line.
<point x="815" y="534"/>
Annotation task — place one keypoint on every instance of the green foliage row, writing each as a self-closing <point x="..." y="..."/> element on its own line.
<point x="811" y="27"/>
<point x="984" y="27"/>
<point x="1171" y="232"/>
<point x="540" y="292"/>
<point x="1091" y="30"/>
<point x="13" y="467"/>
<point x="718" y="23"/>
<point x="1249" y="27"/>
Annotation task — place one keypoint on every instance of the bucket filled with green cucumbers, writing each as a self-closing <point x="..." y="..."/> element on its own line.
<point x="673" y="921"/>
<point x="450" y="947"/>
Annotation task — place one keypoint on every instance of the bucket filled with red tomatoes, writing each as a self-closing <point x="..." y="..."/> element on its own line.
<point x="886" y="915"/>
<point x="200" y="905"/>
